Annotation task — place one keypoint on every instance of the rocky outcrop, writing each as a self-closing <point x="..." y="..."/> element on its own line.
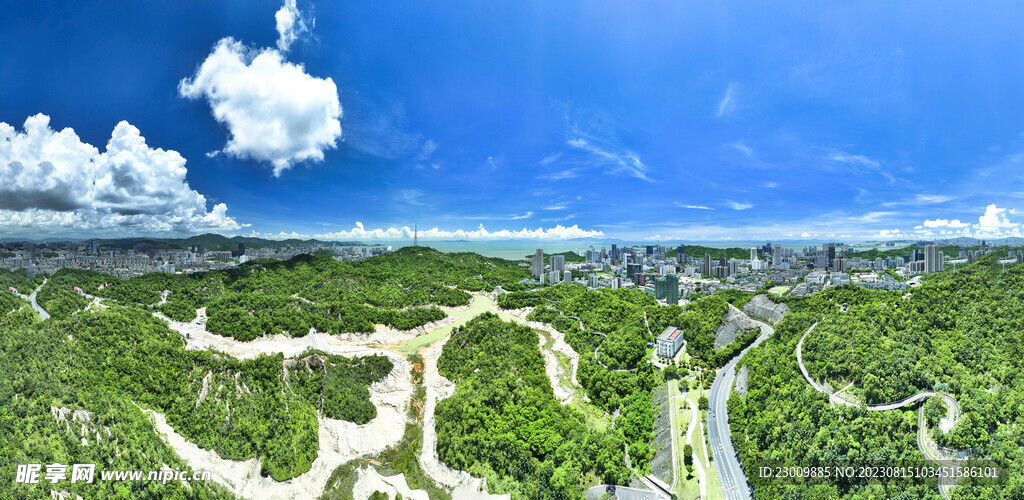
<point x="734" y="323"/>
<point x="762" y="308"/>
<point x="741" y="382"/>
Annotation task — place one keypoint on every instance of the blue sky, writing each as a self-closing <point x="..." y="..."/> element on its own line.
<point x="632" y="120"/>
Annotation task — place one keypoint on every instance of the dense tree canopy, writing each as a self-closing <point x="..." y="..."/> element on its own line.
<point x="264" y="407"/>
<point x="398" y="289"/>
<point x="504" y="423"/>
<point x="959" y="332"/>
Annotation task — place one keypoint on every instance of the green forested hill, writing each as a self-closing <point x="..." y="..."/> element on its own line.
<point x="699" y="251"/>
<point x="214" y="242"/>
<point x="19" y="280"/>
<point x="398" y="289"/>
<point x="960" y="332"/>
<point x="570" y="257"/>
<point x="115" y="361"/>
<point x="617" y="326"/>
<point x="504" y="423"/>
<point x="948" y="250"/>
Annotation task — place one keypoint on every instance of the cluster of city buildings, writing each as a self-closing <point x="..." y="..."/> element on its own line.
<point x="652" y="268"/>
<point x="142" y="258"/>
<point x="671" y="278"/>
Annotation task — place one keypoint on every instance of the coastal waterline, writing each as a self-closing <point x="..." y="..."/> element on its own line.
<point x="522" y="249"/>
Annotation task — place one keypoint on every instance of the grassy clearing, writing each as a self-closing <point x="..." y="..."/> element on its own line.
<point x="687" y="485"/>
<point x="714" y="485"/>
<point x="479" y="305"/>
<point x="703" y="449"/>
<point x="596" y="418"/>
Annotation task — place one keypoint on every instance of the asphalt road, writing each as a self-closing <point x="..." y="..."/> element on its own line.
<point x="35" y="305"/>
<point x="952" y="406"/>
<point x="730" y="473"/>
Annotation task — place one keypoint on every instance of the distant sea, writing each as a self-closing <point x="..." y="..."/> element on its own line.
<point x="520" y="249"/>
<point x="505" y="249"/>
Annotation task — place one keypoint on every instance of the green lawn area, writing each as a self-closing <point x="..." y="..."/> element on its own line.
<point x="479" y="305"/>
<point x="685" y="488"/>
<point x="682" y="356"/>
<point x="714" y="485"/>
<point x="701" y="447"/>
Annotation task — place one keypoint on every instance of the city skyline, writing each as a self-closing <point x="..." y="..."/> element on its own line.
<point x="523" y="120"/>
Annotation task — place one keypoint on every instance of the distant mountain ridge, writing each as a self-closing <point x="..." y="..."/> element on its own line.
<point x="208" y="241"/>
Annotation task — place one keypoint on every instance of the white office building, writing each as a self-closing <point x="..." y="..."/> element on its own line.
<point x="669" y="342"/>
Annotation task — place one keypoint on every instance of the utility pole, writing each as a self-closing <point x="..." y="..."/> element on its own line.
<point x="415" y="235"/>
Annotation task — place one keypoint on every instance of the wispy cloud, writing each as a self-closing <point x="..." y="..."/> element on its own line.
<point x="555" y="207"/>
<point x="427" y="150"/>
<point x="743" y="148"/>
<point x="560" y="219"/>
<point x="921" y="199"/>
<point x="728" y="103"/>
<point x="526" y="215"/>
<point x="625" y="161"/>
<point x="411" y="196"/>
<point x="549" y="159"/>
<point x="859" y="162"/>
<point x="874" y="216"/>
<point x="932" y="198"/>
<point x="735" y="205"/>
<point x="594" y="143"/>
<point x="694" y="207"/>
<point x="568" y="173"/>
<point x="771" y="185"/>
<point x="376" y="124"/>
<point x="852" y="159"/>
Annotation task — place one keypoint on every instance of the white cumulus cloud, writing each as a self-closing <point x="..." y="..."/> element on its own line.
<point x="54" y="182"/>
<point x="886" y="234"/>
<point x="995" y="224"/>
<point x="290" y="25"/>
<point x="274" y="111"/>
<point x="955" y="223"/>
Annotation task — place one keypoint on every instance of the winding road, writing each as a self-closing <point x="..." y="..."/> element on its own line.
<point x="35" y="305"/>
<point x="924" y="441"/>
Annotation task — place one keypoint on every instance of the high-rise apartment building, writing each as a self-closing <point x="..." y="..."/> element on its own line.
<point x="557" y="263"/>
<point x="932" y="259"/>
<point x="672" y="292"/>
<point x="660" y="288"/>
<point x="537" y="266"/>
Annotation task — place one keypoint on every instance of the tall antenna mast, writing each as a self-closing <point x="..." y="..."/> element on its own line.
<point x="415" y="235"/>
